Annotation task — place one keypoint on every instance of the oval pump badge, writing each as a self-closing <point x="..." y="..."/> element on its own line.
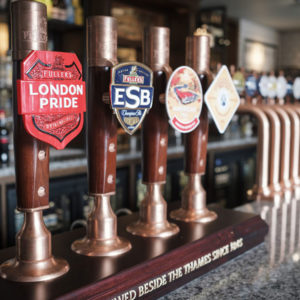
<point x="184" y="99"/>
<point x="281" y="87"/>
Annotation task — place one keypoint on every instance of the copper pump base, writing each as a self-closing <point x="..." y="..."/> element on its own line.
<point x="163" y="230"/>
<point x="153" y="216"/>
<point x="91" y="247"/>
<point x="202" y="216"/>
<point x="34" y="261"/>
<point x="101" y="238"/>
<point x="23" y="271"/>
<point x="193" y="203"/>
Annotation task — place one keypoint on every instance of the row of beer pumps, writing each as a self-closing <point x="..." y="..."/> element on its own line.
<point x="273" y="102"/>
<point x="277" y="171"/>
<point x="269" y="86"/>
<point x="49" y="105"/>
<point x="278" y="153"/>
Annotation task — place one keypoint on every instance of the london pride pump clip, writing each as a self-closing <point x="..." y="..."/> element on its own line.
<point x="51" y="96"/>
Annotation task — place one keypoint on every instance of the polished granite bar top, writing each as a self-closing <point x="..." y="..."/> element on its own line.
<point x="268" y="271"/>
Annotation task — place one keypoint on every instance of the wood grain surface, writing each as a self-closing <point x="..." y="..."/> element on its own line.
<point x="195" y="142"/>
<point x="101" y="134"/>
<point x="107" y="277"/>
<point x="155" y="135"/>
<point x="32" y="173"/>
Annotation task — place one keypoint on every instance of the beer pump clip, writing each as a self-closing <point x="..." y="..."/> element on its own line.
<point x="222" y="100"/>
<point x="281" y="86"/>
<point x="131" y="94"/>
<point x="263" y="89"/>
<point x="251" y="87"/>
<point x="184" y="99"/>
<point x="51" y="96"/>
<point x="296" y="88"/>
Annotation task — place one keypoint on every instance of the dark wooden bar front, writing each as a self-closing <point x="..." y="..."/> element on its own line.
<point x="170" y="259"/>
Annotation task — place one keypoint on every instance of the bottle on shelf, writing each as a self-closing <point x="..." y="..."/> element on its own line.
<point x="4" y="139"/>
<point x="8" y="72"/>
<point x="51" y="217"/>
<point x="59" y="10"/>
<point x="70" y="11"/>
<point x="78" y="12"/>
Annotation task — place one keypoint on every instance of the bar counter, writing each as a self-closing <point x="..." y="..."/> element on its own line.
<point x="268" y="271"/>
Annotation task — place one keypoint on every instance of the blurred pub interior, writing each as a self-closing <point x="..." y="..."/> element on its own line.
<point x="253" y="36"/>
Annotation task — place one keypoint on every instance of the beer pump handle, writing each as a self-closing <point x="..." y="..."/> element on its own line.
<point x="198" y="55"/>
<point x="155" y="125"/>
<point x="101" y="123"/>
<point x="31" y="155"/>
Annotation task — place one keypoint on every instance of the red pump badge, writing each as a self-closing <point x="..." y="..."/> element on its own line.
<point x="51" y="96"/>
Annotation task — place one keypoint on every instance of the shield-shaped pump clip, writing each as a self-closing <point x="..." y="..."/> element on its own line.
<point x="51" y="96"/>
<point x="131" y="94"/>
